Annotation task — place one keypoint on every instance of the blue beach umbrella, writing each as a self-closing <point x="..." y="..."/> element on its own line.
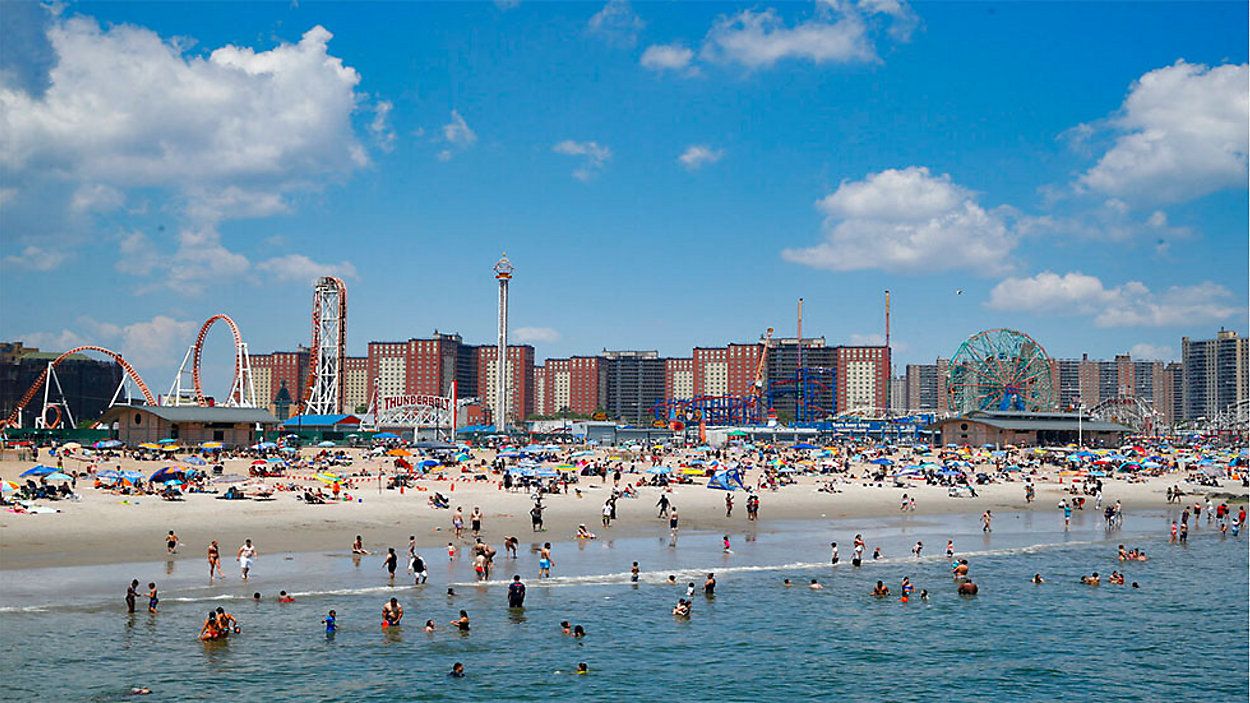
<point x="196" y="460"/>
<point x="57" y="476"/>
<point x="386" y="435"/>
<point x="882" y="461"/>
<point x="39" y="470"/>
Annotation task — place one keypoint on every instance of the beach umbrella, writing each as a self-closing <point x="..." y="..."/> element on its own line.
<point x="1012" y="467"/>
<point x="39" y="470"/>
<point x="386" y="435"/>
<point x="565" y="467"/>
<point x="428" y="463"/>
<point x="285" y="450"/>
<point x="70" y="446"/>
<point x="108" y="475"/>
<point x="265" y="445"/>
<point x="9" y="487"/>
<point x="163" y="474"/>
<point x="805" y="445"/>
<point x="107" y="444"/>
<point x="196" y="461"/>
<point x="57" y="476"/>
<point x="172" y="482"/>
<point x="149" y="445"/>
<point x="130" y="474"/>
<point x="545" y="473"/>
<point x="881" y="461"/>
<point x="326" y="443"/>
<point x="659" y="470"/>
<point x="167" y="440"/>
<point x="585" y="452"/>
<point x="210" y="445"/>
<point x="399" y="451"/>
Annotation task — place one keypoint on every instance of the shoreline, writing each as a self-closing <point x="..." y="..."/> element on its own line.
<point x="134" y="531"/>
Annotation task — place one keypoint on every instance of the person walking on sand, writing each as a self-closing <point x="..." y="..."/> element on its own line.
<point x="171" y="543"/>
<point x="214" y="560"/>
<point x="457" y="522"/>
<point x="729" y="505"/>
<point x="663" y="505"/>
<point x="246" y="557"/>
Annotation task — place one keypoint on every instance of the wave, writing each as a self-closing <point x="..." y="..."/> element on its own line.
<point x="690" y="573"/>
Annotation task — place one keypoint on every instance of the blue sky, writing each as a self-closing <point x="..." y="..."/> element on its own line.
<point x="1076" y="171"/>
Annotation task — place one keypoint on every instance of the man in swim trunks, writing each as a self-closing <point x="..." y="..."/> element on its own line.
<point x="417" y="564"/>
<point x="967" y="588"/>
<point x="247" y="557"/>
<point x="171" y="542"/>
<point x="545" y="562"/>
<point x="331" y="622"/>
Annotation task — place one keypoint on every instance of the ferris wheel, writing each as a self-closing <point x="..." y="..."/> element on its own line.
<point x="1000" y="369"/>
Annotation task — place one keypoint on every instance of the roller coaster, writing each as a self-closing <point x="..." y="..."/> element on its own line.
<point x="242" y="392"/>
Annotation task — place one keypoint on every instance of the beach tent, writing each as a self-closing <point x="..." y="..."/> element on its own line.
<point x="726" y="480"/>
<point x="882" y="461"/>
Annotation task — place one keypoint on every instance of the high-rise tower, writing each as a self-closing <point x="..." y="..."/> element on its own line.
<point x="503" y="274"/>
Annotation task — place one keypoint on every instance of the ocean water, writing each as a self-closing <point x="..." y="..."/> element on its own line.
<point x="1181" y="636"/>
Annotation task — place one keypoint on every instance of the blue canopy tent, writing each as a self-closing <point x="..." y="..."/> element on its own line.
<point x="726" y="480"/>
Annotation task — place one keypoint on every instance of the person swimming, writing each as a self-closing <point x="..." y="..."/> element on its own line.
<point x="457" y="671"/>
<point x="284" y="597"/>
<point x="578" y="632"/>
<point x="429" y="626"/>
<point x="967" y="588"/>
<point x="1038" y="580"/>
<point x="1092" y="580"/>
<point x="582" y="668"/>
<point x="880" y="590"/>
<point x="815" y="585"/>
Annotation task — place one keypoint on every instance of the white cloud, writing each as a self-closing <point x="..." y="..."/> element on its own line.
<point x="52" y="341"/>
<point x="903" y="18"/>
<point x="616" y="23"/>
<point x="1132" y="304"/>
<point x="530" y="335"/>
<point x="908" y="220"/>
<point x="761" y="39"/>
<point x="666" y="57"/>
<point x="33" y="258"/>
<point x="297" y="268"/>
<point x="380" y="126"/>
<point x="594" y="157"/>
<point x="136" y="255"/>
<point x="97" y="197"/>
<point x="156" y="342"/>
<point x="1152" y="352"/>
<point x="458" y="135"/>
<point x="697" y="156"/>
<point x="125" y="108"/>
<point x="1182" y="134"/>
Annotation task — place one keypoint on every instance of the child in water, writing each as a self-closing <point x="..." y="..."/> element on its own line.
<point x="331" y="622"/>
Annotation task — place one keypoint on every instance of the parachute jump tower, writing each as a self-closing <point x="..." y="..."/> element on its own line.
<point x="326" y="377"/>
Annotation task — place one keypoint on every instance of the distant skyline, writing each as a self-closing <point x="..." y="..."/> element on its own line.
<point x="662" y="175"/>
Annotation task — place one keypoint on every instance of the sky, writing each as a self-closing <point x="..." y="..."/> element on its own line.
<point x="662" y="175"/>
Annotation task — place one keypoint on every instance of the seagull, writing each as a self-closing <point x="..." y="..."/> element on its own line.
<point x="959" y="291"/>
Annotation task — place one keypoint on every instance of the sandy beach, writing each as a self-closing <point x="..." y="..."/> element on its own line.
<point x="102" y="527"/>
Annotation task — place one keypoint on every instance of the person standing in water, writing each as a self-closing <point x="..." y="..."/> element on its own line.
<point x="950" y="548"/>
<point x="171" y="543"/>
<point x="391" y="563"/>
<point x="331" y="623"/>
<point x="545" y="562"/>
<point x="709" y="585"/>
<point x="132" y="595"/>
<point x="214" y="560"/>
<point x="247" y="557"/>
<point x="834" y="546"/>
<point x="516" y="592"/>
<point x="152" y="598"/>
<point x="986" y="518"/>
<point x="392" y="613"/>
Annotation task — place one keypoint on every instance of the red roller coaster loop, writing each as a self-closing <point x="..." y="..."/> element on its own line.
<point x="199" y="348"/>
<point x="12" y="419"/>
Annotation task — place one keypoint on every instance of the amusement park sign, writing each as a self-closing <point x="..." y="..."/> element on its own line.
<point x="413" y="400"/>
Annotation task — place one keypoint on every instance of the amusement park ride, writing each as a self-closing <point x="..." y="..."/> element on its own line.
<point x="325" y="380"/>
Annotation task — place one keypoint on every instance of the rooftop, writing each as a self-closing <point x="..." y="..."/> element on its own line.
<point x="1026" y="421"/>
<point x="192" y="413"/>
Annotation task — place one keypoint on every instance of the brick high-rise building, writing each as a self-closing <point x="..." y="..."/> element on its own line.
<point x="728" y="370"/>
<point x="355" y="384"/>
<point x="863" y="375"/>
<point x="520" y="379"/>
<point x="679" y="378"/>
<point x="573" y="386"/>
<point x="281" y="369"/>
